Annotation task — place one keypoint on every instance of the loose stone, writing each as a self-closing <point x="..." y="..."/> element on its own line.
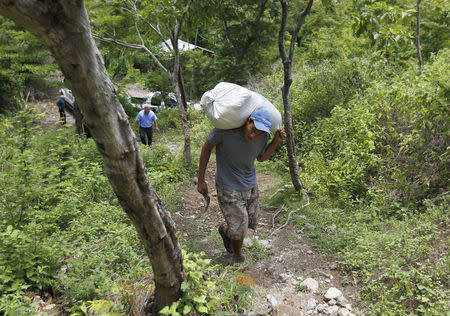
<point x="311" y="284"/>
<point x="332" y="293"/>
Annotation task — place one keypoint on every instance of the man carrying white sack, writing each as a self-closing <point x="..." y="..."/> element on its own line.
<point x="237" y="190"/>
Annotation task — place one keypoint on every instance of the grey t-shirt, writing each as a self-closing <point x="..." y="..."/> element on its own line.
<point x="235" y="158"/>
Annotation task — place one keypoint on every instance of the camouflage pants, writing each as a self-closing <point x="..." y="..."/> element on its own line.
<point x="240" y="209"/>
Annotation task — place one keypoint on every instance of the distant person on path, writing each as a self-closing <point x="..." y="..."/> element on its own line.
<point x="237" y="189"/>
<point x="86" y="130"/>
<point x="144" y="124"/>
<point x="61" y="107"/>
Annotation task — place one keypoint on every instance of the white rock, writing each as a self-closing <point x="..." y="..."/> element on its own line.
<point x="312" y="302"/>
<point x="320" y="308"/>
<point x="332" y="302"/>
<point x="330" y="310"/>
<point x="248" y="242"/>
<point x="341" y="300"/>
<point x="311" y="284"/>
<point x="332" y="293"/>
<point x="343" y="312"/>
<point x="272" y="300"/>
<point x="349" y="307"/>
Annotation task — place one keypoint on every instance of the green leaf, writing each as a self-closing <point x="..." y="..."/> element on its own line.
<point x="165" y="310"/>
<point x="185" y="286"/>
<point x="201" y="308"/>
<point x="187" y="309"/>
<point x="200" y="299"/>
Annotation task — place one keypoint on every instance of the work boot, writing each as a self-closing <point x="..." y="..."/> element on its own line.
<point x="226" y="239"/>
<point x="238" y="257"/>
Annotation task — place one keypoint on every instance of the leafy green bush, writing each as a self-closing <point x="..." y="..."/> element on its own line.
<point x="22" y="65"/>
<point x="168" y="118"/>
<point x="62" y="230"/>
<point x="322" y="87"/>
<point x="388" y="146"/>
<point x="401" y="265"/>
<point x="198" y="289"/>
<point x="412" y="132"/>
<point x="340" y="155"/>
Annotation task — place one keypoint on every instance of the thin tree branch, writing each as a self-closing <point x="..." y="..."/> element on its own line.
<point x="299" y="25"/>
<point x="135" y="46"/>
<point x="281" y="34"/>
<point x="305" y="194"/>
<point x="419" y="51"/>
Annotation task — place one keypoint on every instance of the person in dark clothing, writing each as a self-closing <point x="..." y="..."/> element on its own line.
<point x="86" y="130"/>
<point x="61" y="107"/>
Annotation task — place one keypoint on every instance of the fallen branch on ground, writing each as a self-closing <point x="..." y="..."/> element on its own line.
<point x="289" y="215"/>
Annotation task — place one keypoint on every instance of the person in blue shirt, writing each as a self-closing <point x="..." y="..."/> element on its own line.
<point x="144" y="124"/>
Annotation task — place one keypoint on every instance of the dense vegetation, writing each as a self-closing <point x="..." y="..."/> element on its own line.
<point x="372" y="139"/>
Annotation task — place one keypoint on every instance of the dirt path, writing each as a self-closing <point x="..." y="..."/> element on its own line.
<point x="276" y="265"/>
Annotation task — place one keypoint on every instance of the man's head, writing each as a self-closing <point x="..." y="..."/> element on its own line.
<point x="147" y="108"/>
<point x="259" y="122"/>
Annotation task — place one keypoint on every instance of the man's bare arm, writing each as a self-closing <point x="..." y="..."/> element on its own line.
<point x="202" y="187"/>
<point x="279" y="137"/>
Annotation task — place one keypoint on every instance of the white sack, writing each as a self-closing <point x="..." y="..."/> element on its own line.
<point x="228" y="106"/>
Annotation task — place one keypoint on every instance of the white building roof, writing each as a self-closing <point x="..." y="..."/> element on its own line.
<point x="182" y="46"/>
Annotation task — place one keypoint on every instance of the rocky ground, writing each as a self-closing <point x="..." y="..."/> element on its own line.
<point x="287" y="275"/>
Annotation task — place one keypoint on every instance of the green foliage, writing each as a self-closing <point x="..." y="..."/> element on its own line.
<point x="412" y="131"/>
<point x="169" y="118"/>
<point x="199" y="289"/>
<point x="386" y="23"/>
<point x="26" y="261"/>
<point x="388" y="145"/>
<point x="372" y="139"/>
<point x="22" y="65"/>
<point x="249" y="26"/>
<point x="97" y="307"/>
<point x="341" y="155"/>
<point x="401" y="264"/>
<point x="58" y="232"/>
<point x="165" y="168"/>
<point x="434" y="25"/>
<point x="320" y="88"/>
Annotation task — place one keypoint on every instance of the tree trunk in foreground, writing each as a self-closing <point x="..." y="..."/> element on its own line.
<point x="63" y="26"/>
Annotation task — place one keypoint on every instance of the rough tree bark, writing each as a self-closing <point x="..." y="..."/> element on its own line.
<point x="287" y="67"/>
<point x="63" y="26"/>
